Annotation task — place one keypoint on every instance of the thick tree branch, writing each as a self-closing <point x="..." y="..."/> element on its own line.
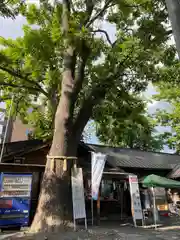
<point x="32" y="89"/>
<point x="89" y="10"/>
<point x="80" y="73"/>
<point x="100" y="13"/>
<point x="69" y="59"/>
<point x="79" y="77"/>
<point x="65" y="16"/>
<point x="25" y="78"/>
<point x="96" y="95"/>
<point x="89" y="6"/>
<point x="169" y="32"/>
<point x="106" y="34"/>
<point x="72" y="6"/>
<point x="2" y="99"/>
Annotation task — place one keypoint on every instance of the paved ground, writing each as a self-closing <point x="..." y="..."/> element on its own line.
<point x="102" y="233"/>
<point x="169" y="229"/>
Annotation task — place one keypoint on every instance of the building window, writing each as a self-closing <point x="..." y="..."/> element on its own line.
<point x="27" y="132"/>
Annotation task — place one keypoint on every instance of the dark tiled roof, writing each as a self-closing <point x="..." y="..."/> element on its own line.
<point x="14" y="148"/>
<point x="175" y="173"/>
<point x="130" y="158"/>
<point x="117" y="157"/>
<point x="20" y="148"/>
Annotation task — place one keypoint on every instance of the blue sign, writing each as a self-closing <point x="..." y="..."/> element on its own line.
<point x="15" y="198"/>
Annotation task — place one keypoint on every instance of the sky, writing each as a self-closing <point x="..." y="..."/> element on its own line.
<point x="13" y="28"/>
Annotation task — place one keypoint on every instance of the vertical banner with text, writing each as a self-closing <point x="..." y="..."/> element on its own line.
<point x="97" y="167"/>
<point x="135" y="198"/>
<point x="78" y="194"/>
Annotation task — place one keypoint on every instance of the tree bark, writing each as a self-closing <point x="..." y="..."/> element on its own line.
<point x="55" y="203"/>
<point x="173" y="8"/>
<point x="54" y="210"/>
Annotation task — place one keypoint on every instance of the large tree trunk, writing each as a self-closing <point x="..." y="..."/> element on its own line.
<point x="54" y="209"/>
<point x="55" y="203"/>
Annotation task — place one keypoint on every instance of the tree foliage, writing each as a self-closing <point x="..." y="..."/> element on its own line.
<point x="32" y="65"/>
<point x="126" y="124"/>
<point x="170" y="117"/>
<point x="10" y="8"/>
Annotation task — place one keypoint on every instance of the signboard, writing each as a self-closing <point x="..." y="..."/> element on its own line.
<point x="78" y="193"/>
<point x="135" y="198"/>
<point x="17" y="180"/>
<point x="160" y="193"/>
<point x="15" y="194"/>
<point x="16" y="186"/>
<point x="161" y="199"/>
<point x="163" y="207"/>
<point x="97" y="167"/>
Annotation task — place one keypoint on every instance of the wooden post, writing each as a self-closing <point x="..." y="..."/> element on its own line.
<point x="121" y="189"/>
<point x="98" y="206"/>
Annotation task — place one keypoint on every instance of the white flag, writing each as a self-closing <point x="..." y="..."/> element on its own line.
<point x="97" y="167"/>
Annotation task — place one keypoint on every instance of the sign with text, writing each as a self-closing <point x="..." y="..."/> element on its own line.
<point x="17" y="180"/>
<point x="15" y="194"/>
<point x="78" y="193"/>
<point x="160" y="193"/>
<point x="97" y="167"/>
<point x="161" y="199"/>
<point x="135" y="198"/>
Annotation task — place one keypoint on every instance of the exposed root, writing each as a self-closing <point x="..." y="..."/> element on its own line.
<point x="50" y="225"/>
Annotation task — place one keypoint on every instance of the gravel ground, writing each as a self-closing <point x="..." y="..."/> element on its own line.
<point x="102" y="233"/>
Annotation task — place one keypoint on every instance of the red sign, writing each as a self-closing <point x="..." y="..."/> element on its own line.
<point x="133" y="179"/>
<point x="5" y="203"/>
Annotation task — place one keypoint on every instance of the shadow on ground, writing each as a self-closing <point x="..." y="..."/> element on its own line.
<point x="104" y="232"/>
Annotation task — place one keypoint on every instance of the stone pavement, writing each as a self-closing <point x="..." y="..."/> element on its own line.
<point x="131" y="233"/>
<point x="121" y="233"/>
<point x="6" y="235"/>
<point x="104" y="233"/>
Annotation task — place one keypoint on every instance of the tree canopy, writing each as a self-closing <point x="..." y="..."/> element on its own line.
<point x="10" y="8"/>
<point x="31" y="65"/>
<point x="127" y="124"/>
<point x="170" y="117"/>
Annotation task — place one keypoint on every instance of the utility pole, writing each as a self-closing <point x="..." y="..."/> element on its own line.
<point x="173" y="7"/>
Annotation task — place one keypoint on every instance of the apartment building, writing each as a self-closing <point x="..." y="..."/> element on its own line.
<point x="16" y="130"/>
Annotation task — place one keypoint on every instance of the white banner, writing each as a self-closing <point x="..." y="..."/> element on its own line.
<point x="97" y="167"/>
<point x="78" y="193"/>
<point x="135" y="198"/>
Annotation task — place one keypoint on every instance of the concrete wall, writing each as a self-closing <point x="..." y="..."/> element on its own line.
<point x="19" y="131"/>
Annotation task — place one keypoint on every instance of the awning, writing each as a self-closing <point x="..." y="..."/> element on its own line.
<point x="157" y="181"/>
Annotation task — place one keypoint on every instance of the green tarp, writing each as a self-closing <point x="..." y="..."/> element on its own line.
<point x="157" y="181"/>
